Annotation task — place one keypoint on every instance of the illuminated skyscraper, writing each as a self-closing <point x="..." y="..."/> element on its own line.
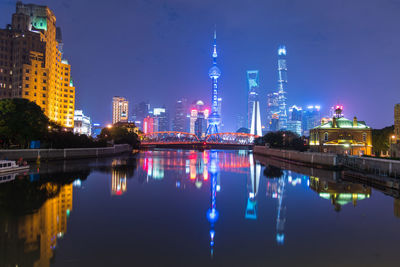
<point x="197" y="111"/>
<point x="282" y="86"/>
<point x="253" y="104"/>
<point x="32" y="64"/>
<point x="214" y="120"/>
<point x="397" y="122"/>
<point x="179" y="122"/>
<point x="120" y="109"/>
<point x="161" y="119"/>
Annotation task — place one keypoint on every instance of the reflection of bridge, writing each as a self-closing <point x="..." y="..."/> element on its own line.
<point x="171" y="139"/>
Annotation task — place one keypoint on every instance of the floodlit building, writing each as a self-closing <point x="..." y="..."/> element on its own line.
<point x="161" y="119"/>
<point x="148" y="125"/>
<point x="32" y="64"/>
<point x="197" y="110"/>
<point x="253" y="102"/>
<point x="82" y="124"/>
<point x="311" y="118"/>
<point x="342" y="136"/>
<point x="120" y="108"/>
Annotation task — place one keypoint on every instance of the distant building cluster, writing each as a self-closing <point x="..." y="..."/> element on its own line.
<point x="32" y="63"/>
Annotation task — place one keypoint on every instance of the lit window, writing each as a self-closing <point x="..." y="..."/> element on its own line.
<point x="325" y="136"/>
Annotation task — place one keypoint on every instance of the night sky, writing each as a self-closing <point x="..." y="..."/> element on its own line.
<point x="339" y="51"/>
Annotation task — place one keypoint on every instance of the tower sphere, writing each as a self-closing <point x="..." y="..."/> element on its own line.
<point x="214" y="72"/>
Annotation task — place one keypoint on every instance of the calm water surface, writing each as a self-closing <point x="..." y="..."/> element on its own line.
<point x="190" y="208"/>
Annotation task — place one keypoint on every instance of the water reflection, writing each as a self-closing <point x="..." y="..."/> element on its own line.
<point x="29" y="239"/>
<point x="34" y="209"/>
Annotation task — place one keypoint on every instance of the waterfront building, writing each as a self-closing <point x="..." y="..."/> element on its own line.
<point x="180" y="122"/>
<point x="282" y="87"/>
<point x="161" y="119"/>
<point x="197" y="111"/>
<point x="140" y="111"/>
<point x="294" y="127"/>
<point x="32" y="64"/>
<point x="272" y="112"/>
<point x="148" y="125"/>
<point x="311" y="118"/>
<point x="342" y="136"/>
<point x="214" y="120"/>
<point x="397" y="122"/>
<point x="120" y="109"/>
<point x="82" y="123"/>
<point x="253" y="102"/>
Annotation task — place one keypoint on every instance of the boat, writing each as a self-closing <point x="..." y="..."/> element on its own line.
<point x="10" y="166"/>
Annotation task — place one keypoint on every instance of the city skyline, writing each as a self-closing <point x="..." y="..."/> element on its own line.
<point x="328" y="64"/>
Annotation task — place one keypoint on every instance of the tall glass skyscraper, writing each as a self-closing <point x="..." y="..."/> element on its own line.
<point x="253" y="104"/>
<point x="282" y="87"/>
<point x="276" y="102"/>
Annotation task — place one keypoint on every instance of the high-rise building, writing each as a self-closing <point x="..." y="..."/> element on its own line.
<point x="294" y="123"/>
<point x="161" y="119"/>
<point x="148" y="125"/>
<point x="397" y="122"/>
<point x="253" y="104"/>
<point x="272" y="112"/>
<point x="180" y="122"/>
<point x="120" y="109"/>
<point x="200" y="125"/>
<point x="214" y="120"/>
<point x="82" y="124"/>
<point x="197" y="110"/>
<point x="32" y="64"/>
<point x="294" y="127"/>
<point x="140" y="111"/>
<point x="282" y="86"/>
<point x="311" y="118"/>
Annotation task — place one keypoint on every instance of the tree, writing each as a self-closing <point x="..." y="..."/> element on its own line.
<point x="119" y="135"/>
<point x="21" y="121"/>
<point x="381" y="139"/>
<point x="282" y="139"/>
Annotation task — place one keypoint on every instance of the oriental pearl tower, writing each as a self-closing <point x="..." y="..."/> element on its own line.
<point x="214" y="119"/>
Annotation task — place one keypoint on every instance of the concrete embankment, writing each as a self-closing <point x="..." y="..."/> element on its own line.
<point x="68" y="153"/>
<point x="303" y="158"/>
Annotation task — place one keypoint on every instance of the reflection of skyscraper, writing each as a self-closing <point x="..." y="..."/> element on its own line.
<point x="118" y="178"/>
<point x="253" y="182"/>
<point x="281" y="212"/>
<point x="30" y="239"/>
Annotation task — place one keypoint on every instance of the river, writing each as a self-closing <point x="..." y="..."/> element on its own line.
<point x="193" y="208"/>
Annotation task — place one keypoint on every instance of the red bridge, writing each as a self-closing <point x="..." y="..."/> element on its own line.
<point x="172" y="139"/>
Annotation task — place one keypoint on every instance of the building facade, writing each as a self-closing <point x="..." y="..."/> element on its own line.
<point x="82" y="123"/>
<point x="311" y="118"/>
<point x="342" y="136"/>
<point x="180" y="120"/>
<point x="161" y="119"/>
<point x="32" y="64"/>
<point x="148" y="125"/>
<point x="120" y="109"/>
<point x="198" y="110"/>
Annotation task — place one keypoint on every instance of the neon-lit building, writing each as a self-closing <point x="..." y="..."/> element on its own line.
<point x="342" y="136"/>
<point x="148" y="125"/>
<point x="197" y="110"/>
<point x="120" y="109"/>
<point x="214" y="120"/>
<point x="82" y="124"/>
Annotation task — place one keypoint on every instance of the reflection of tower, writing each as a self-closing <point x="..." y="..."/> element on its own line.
<point x="253" y="104"/>
<point x="212" y="213"/>
<point x="252" y="187"/>
<point x="281" y="214"/>
<point x="215" y="118"/>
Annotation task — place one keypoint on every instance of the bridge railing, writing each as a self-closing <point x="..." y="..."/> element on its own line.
<point x="231" y="138"/>
<point x="170" y="137"/>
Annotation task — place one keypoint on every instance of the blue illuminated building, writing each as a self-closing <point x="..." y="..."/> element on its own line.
<point x="282" y="87"/>
<point x="214" y="120"/>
